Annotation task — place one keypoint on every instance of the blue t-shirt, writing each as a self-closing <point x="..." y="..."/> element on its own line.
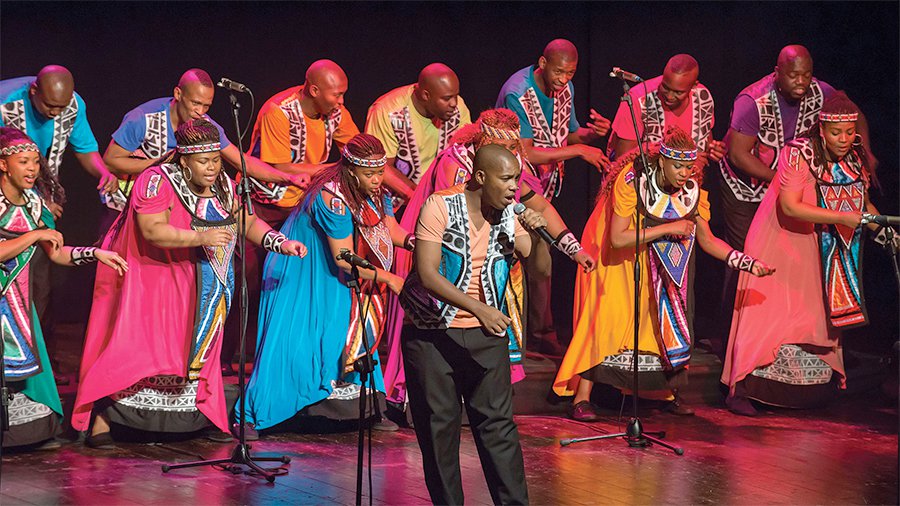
<point x="515" y="87"/>
<point x="132" y="133"/>
<point x="39" y="127"/>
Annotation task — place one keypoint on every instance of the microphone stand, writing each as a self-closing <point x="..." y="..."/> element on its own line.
<point x="240" y="455"/>
<point x="5" y="398"/>
<point x="364" y="366"/>
<point x="634" y="434"/>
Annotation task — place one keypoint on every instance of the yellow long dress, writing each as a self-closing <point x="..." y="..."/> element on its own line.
<point x="604" y="300"/>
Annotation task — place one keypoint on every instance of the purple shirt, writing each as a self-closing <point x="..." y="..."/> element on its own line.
<point x="745" y="115"/>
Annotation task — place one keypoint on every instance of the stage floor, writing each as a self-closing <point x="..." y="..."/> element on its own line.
<point x="845" y="454"/>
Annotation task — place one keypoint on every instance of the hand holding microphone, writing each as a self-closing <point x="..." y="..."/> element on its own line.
<point x="880" y="219"/>
<point x="535" y="221"/>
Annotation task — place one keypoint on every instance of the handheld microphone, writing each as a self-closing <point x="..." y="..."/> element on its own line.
<point x="624" y="74"/>
<point x="354" y="260"/>
<point x="880" y="219"/>
<point x="228" y="84"/>
<point x="519" y="208"/>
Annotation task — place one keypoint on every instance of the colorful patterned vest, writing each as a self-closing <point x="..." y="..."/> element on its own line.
<point x="771" y="133"/>
<point x="671" y="266"/>
<point x="372" y="240"/>
<point x="215" y="271"/>
<point x="408" y="160"/>
<point x="549" y="136"/>
<point x="426" y="311"/>
<point x="271" y="193"/>
<point x="840" y="187"/>
<point x="20" y="352"/>
<point x="13" y="114"/>
<point x="702" y="114"/>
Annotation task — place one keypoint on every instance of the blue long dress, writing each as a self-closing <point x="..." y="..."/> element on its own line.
<point x="304" y="314"/>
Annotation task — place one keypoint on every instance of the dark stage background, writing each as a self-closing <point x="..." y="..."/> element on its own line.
<point x="123" y="54"/>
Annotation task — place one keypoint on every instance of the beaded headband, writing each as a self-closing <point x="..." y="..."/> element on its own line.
<point x="677" y="154"/>
<point x="199" y="148"/>
<point x="19" y="148"/>
<point x="363" y="162"/>
<point x="838" y="118"/>
<point x="499" y="133"/>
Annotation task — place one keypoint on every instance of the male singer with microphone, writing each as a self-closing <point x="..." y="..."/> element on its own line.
<point x="467" y="237"/>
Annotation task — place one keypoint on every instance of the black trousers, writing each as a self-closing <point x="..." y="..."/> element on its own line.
<point x="444" y="367"/>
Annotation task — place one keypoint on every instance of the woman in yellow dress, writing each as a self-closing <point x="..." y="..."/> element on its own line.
<point x="676" y="214"/>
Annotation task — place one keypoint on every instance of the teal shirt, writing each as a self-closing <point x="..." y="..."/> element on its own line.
<point x="516" y="86"/>
<point x="40" y="128"/>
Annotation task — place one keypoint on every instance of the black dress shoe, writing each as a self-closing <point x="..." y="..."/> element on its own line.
<point x="584" y="411"/>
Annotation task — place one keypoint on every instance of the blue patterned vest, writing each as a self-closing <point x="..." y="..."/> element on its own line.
<point x="426" y="311"/>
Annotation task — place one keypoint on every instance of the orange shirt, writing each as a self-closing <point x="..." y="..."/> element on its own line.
<point x="272" y="139"/>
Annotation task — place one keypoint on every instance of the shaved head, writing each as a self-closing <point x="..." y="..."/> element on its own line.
<point x="193" y="96"/>
<point x="560" y="50"/>
<point x="437" y="92"/>
<point x="326" y="84"/>
<point x="791" y="53"/>
<point x="325" y="73"/>
<point x="192" y="76"/>
<point x="496" y="171"/>
<point x="492" y="158"/>
<point x="682" y="64"/>
<point x="56" y="79"/>
<point x="437" y="74"/>
<point x="52" y="90"/>
<point x="793" y="73"/>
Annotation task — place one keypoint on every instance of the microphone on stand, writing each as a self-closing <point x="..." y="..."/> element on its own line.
<point x="624" y="74"/>
<point x="880" y="219"/>
<point x="228" y="84"/>
<point x="354" y="260"/>
<point x="519" y="208"/>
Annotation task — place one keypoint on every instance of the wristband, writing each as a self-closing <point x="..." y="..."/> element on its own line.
<point x="273" y="240"/>
<point x="409" y="243"/>
<point x="568" y="244"/>
<point x="83" y="255"/>
<point x="740" y="261"/>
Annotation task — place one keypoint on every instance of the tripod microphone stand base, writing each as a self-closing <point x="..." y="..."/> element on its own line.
<point x="634" y="435"/>
<point x="239" y="456"/>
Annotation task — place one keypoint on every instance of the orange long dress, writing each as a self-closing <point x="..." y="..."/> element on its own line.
<point x="603" y="305"/>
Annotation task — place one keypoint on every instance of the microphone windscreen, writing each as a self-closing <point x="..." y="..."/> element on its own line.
<point x="519" y="208"/>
